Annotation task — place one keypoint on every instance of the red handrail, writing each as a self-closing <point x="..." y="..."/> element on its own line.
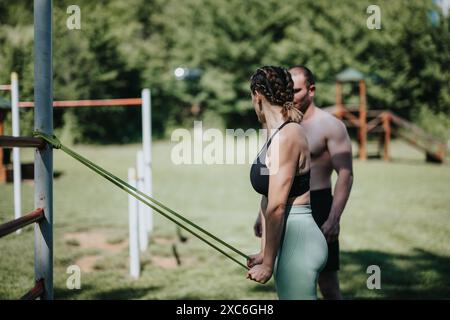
<point x="11" y="226"/>
<point x="35" y="292"/>
<point x="89" y="103"/>
<point x="21" y="142"/>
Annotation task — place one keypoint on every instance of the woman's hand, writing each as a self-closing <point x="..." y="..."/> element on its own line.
<point x="254" y="260"/>
<point x="260" y="273"/>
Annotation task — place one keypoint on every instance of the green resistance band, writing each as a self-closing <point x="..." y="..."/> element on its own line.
<point x="54" y="141"/>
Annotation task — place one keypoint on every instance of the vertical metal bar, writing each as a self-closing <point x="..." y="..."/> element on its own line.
<point x="133" y="227"/>
<point x="143" y="236"/>
<point x="43" y="160"/>
<point x="147" y="148"/>
<point x="16" y="151"/>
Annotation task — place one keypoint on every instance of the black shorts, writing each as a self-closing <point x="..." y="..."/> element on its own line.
<point x="321" y="201"/>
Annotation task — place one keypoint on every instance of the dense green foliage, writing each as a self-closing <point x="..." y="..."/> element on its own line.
<point x="124" y="46"/>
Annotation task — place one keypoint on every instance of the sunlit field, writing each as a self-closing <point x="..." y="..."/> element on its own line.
<point x="398" y="218"/>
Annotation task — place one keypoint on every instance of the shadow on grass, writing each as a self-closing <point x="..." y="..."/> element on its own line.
<point x="62" y="293"/>
<point x="420" y="275"/>
<point x="96" y="294"/>
<point x="124" y="293"/>
<point x="264" y="288"/>
<point x="413" y="162"/>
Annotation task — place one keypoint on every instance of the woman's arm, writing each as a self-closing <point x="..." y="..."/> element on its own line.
<point x="282" y="169"/>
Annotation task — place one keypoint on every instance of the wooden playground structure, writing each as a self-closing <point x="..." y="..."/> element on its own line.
<point x="382" y="122"/>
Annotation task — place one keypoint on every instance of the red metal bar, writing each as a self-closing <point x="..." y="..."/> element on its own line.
<point x="88" y="103"/>
<point x="21" y="142"/>
<point x="35" y="292"/>
<point x="11" y="226"/>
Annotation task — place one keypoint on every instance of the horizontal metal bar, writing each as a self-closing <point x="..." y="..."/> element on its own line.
<point x="11" y="226"/>
<point x="35" y="292"/>
<point x="88" y="103"/>
<point x="21" y="142"/>
<point x="5" y="87"/>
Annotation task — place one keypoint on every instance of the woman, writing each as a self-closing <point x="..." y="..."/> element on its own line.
<point x="292" y="246"/>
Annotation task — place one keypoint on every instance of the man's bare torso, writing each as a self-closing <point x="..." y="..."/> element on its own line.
<point x="316" y="128"/>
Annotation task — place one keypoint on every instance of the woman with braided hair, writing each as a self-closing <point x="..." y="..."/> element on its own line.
<point x="293" y="248"/>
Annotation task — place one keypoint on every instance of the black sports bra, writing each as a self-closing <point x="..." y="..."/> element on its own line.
<point x="259" y="173"/>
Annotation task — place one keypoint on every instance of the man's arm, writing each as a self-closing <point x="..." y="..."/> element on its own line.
<point x="260" y="232"/>
<point x="257" y="227"/>
<point x="263" y="222"/>
<point x="340" y="149"/>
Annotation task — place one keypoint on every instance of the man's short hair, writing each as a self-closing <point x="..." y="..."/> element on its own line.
<point x="309" y="76"/>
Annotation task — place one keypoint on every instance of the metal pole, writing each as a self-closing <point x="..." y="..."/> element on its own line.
<point x="43" y="160"/>
<point x="16" y="151"/>
<point x="143" y="237"/>
<point x="147" y="148"/>
<point x="133" y="227"/>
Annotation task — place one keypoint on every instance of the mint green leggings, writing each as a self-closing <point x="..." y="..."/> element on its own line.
<point x="301" y="257"/>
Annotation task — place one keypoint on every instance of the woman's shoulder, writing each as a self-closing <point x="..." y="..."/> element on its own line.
<point x="294" y="130"/>
<point x="292" y="134"/>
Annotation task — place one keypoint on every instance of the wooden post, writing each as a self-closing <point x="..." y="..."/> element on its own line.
<point x="339" y="103"/>
<point x="362" y="121"/>
<point x="387" y="135"/>
<point x="2" y="132"/>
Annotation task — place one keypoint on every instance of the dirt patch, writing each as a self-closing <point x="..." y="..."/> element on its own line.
<point x="170" y="262"/>
<point x="95" y="240"/>
<point x="164" y="240"/>
<point x="164" y="262"/>
<point x="87" y="263"/>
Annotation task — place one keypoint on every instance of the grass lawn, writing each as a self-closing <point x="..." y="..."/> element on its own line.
<point x="398" y="218"/>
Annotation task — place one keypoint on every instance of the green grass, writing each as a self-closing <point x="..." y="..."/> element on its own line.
<point x="398" y="218"/>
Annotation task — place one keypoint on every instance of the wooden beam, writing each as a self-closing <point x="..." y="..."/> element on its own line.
<point x="362" y="121"/>
<point x="386" y="119"/>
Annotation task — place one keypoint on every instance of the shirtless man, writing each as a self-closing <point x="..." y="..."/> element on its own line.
<point x="330" y="149"/>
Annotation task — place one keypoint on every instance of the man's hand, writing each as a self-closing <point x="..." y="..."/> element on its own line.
<point x="330" y="230"/>
<point x="260" y="273"/>
<point x="257" y="227"/>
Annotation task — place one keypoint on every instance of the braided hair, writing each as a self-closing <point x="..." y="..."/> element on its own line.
<point x="276" y="85"/>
